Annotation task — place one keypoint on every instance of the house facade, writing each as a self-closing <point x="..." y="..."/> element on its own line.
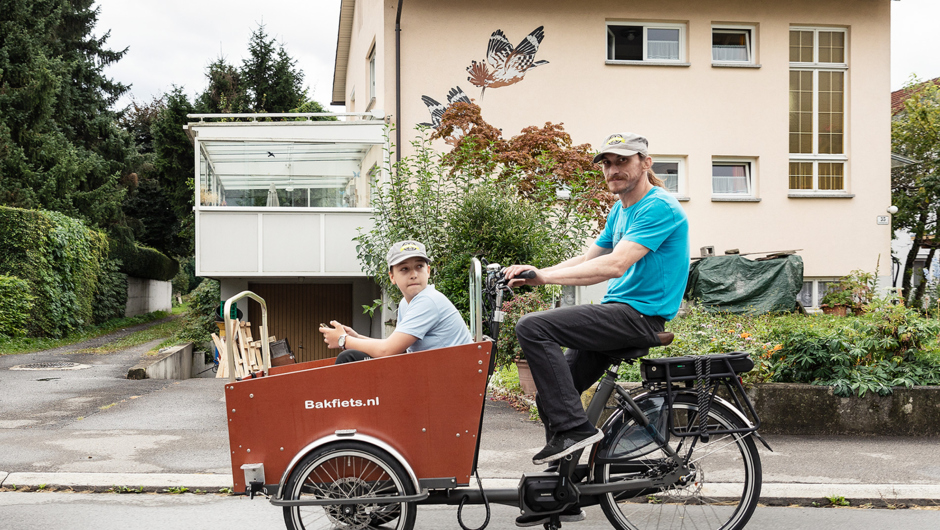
<point x="768" y="120"/>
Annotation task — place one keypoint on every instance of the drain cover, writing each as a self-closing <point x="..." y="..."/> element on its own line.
<point x="50" y="365"/>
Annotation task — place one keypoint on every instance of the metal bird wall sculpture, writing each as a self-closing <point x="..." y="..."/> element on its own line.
<point x="507" y="65"/>
<point x="437" y="111"/>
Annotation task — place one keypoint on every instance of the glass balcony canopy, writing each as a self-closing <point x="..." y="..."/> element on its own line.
<point x="287" y="164"/>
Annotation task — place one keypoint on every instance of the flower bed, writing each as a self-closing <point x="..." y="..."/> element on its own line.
<point x="889" y="345"/>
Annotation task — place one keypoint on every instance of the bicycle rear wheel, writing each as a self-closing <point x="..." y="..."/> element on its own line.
<point x="348" y="470"/>
<point x="721" y="494"/>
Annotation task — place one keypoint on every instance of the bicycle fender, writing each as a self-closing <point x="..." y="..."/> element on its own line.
<point x="364" y="438"/>
<point x="721" y="401"/>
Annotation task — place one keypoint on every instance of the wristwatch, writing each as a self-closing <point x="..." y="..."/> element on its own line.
<point x="342" y="341"/>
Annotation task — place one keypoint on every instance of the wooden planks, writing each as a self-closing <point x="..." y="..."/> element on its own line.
<point x="248" y="354"/>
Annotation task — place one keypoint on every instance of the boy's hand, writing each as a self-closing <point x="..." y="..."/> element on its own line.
<point x="331" y="335"/>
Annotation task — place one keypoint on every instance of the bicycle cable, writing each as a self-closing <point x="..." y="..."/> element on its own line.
<point x="486" y="504"/>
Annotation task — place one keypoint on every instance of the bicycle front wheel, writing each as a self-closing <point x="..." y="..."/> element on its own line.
<point x="349" y="470"/>
<point x="721" y="493"/>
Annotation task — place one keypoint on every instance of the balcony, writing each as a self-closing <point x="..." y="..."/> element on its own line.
<point x="283" y="198"/>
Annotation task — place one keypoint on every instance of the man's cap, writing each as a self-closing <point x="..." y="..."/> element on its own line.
<point x="626" y="144"/>
<point x="403" y="250"/>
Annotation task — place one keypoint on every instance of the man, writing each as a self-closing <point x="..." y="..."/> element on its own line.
<point x="643" y="253"/>
<point x="426" y="318"/>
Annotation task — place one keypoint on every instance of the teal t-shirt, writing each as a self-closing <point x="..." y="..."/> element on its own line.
<point x="655" y="284"/>
<point x="433" y="319"/>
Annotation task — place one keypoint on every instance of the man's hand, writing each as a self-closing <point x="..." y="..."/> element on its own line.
<point x="515" y="270"/>
<point x="331" y="335"/>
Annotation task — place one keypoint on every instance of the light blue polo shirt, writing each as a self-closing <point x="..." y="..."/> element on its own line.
<point x="433" y="319"/>
<point x="654" y="285"/>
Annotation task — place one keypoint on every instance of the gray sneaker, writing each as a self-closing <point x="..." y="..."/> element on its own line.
<point x="565" y="443"/>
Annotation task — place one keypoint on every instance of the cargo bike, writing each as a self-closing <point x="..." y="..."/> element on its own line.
<point x="362" y="445"/>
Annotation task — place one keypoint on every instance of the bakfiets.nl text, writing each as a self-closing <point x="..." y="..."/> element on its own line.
<point x="341" y="403"/>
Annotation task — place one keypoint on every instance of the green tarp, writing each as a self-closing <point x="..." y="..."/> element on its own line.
<point x="734" y="284"/>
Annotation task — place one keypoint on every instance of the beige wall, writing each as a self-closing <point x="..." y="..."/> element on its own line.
<point x="696" y="111"/>
<point x="366" y="32"/>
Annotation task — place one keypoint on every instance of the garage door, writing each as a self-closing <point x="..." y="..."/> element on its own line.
<point x="295" y="312"/>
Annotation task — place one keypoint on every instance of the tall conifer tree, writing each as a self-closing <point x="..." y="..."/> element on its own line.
<point x="60" y="148"/>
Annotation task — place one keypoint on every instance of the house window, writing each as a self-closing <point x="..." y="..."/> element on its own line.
<point x="645" y="42"/>
<point x="817" y="109"/>
<point x="732" y="45"/>
<point x="732" y="178"/>
<point x="670" y="170"/>
<point x="371" y="81"/>
<point x="813" y="291"/>
<point x="372" y="74"/>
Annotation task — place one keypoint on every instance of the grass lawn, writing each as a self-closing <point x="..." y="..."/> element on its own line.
<point x="162" y="330"/>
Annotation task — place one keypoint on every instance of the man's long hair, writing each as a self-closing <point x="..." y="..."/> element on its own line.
<point x="654" y="180"/>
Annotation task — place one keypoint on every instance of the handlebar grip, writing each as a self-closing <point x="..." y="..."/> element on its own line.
<point x="528" y="275"/>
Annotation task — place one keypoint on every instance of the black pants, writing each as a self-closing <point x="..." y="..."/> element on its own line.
<point x="351" y="356"/>
<point x="596" y="336"/>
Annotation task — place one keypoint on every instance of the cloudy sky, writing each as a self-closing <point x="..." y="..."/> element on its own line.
<point x="172" y="41"/>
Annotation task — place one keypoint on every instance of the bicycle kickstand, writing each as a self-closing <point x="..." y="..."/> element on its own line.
<point x="554" y="523"/>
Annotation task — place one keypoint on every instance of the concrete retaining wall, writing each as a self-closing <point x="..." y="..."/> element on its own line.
<point x="798" y="409"/>
<point x="787" y="408"/>
<point x="147" y="296"/>
<point x="178" y="362"/>
<point x="174" y="363"/>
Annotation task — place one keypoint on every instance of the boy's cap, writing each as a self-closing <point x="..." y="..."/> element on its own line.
<point x="403" y="250"/>
<point x="626" y="144"/>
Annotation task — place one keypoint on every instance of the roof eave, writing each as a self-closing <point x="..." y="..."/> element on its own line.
<point x="343" y="39"/>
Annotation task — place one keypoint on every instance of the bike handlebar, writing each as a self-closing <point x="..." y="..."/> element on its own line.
<point x="527" y="275"/>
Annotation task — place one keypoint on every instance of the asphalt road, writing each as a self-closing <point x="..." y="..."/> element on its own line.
<point x="22" y="511"/>
<point x="94" y="420"/>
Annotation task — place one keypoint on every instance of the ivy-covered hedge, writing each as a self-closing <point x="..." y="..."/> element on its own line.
<point x="111" y="294"/>
<point x="60" y="260"/>
<point x="15" y="306"/>
<point x="144" y="262"/>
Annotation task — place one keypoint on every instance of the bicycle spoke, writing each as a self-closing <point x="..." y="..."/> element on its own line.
<point x="349" y="474"/>
<point x="732" y="458"/>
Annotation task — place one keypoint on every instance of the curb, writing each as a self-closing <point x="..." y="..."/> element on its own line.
<point x="102" y="482"/>
<point x="772" y="494"/>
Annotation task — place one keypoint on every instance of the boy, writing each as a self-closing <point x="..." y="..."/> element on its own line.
<point x="426" y="318"/>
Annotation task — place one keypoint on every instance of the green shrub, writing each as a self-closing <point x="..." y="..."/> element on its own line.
<point x="508" y="348"/>
<point x="491" y="222"/>
<point x="111" y="294"/>
<point x="60" y="259"/>
<point x="185" y="281"/>
<point x="15" y="306"/>
<point x="889" y="345"/>
<point x="140" y="261"/>
<point x="854" y="290"/>
<point x="463" y="213"/>
<point x="507" y="376"/>
<point x="199" y="322"/>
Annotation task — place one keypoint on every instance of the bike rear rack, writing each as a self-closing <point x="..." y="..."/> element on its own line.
<point x="676" y="370"/>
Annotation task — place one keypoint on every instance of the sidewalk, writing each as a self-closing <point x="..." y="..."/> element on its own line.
<point x="92" y="429"/>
